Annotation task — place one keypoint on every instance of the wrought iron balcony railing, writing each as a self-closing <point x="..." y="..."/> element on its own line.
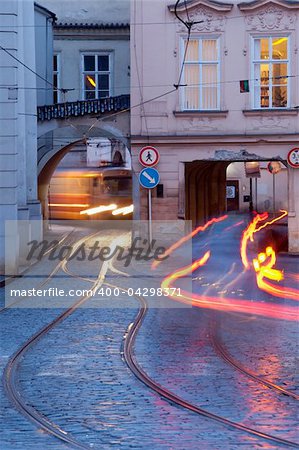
<point x="82" y="107"/>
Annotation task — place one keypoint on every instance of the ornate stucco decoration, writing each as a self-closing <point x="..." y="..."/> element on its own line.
<point x="269" y="15"/>
<point x="204" y="124"/>
<point x="207" y="15"/>
<point x="269" y="123"/>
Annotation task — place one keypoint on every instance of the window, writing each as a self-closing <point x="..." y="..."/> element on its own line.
<point x="56" y="78"/>
<point x="117" y="185"/>
<point x="96" y="75"/>
<point x="270" y="71"/>
<point x="201" y="74"/>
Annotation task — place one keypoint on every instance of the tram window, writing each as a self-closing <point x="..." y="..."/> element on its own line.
<point x="116" y="185"/>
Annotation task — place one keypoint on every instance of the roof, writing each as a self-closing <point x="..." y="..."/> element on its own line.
<point x="250" y="5"/>
<point x="93" y="26"/>
<point x="45" y="11"/>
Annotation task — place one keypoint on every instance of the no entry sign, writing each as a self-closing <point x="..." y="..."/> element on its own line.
<point x="149" y="156"/>
<point x="293" y="157"/>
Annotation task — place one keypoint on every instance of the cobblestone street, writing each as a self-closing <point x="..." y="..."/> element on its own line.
<point x="76" y="375"/>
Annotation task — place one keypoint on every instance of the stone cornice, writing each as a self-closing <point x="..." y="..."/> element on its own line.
<point x="216" y="6"/>
<point x="219" y="139"/>
<point x="251" y="6"/>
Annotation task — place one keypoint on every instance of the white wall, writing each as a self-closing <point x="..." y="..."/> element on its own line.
<point x="44" y="56"/>
<point x="236" y="171"/>
<point x="70" y="56"/>
<point x="18" y="132"/>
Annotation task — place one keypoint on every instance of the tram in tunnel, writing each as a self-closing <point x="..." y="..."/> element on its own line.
<point x="91" y="193"/>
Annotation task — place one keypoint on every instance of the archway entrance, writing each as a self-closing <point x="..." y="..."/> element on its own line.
<point x="215" y="187"/>
<point x="77" y="170"/>
<point x="205" y="190"/>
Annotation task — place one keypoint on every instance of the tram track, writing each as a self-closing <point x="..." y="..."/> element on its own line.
<point x="230" y="360"/>
<point x="131" y="361"/>
<point x="52" y="248"/>
<point x="12" y="387"/>
<point x="63" y="240"/>
<point x="10" y="375"/>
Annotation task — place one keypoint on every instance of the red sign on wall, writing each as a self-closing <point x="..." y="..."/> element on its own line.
<point x="293" y="157"/>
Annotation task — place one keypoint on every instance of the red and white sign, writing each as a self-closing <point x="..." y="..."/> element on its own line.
<point x="149" y="156"/>
<point x="293" y="157"/>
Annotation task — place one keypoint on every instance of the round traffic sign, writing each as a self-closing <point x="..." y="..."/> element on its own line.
<point x="293" y="157"/>
<point x="149" y="156"/>
<point x="149" y="177"/>
<point x="274" y="167"/>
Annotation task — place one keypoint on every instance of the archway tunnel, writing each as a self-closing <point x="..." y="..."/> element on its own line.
<point x="205" y="190"/>
<point x="215" y="187"/>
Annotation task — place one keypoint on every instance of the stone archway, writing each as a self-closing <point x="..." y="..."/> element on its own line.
<point x="205" y="190"/>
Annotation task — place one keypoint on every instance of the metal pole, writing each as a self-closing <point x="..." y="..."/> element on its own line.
<point x="256" y="194"/>
<point x="273" y="193"/>
<point x="150" y="217"/>
<point x="251" y="202"/>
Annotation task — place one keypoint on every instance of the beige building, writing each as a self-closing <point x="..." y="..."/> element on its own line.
<point x="206" y="123"/>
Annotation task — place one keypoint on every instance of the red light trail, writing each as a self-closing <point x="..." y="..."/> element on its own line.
<point x="263" y="266"/>
<point x="186" y="238"/>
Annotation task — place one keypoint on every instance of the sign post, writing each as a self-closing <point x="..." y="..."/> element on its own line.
<point x="149" y="178"/>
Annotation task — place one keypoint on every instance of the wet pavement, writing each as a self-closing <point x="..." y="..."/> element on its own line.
<point x="76" y="376"/>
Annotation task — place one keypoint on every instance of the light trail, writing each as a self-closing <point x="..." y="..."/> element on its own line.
<point x="186" y="238"/>
<point x="263" y="266"/>
<point x="125" y="210"/>
<point x="70" y="205"/>
<point x="226" y="304"/>
<point x="99" y="209"/>
<point x="248" y="235"/>
<point x="267" y="271"/>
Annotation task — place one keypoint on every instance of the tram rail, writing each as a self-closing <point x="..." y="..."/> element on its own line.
<point x="229" y="359"/>
<point x="133" y="365"/>
<point x="10" y="373"/>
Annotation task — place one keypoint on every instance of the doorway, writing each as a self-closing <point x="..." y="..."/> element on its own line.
<point x="232" y="195"/>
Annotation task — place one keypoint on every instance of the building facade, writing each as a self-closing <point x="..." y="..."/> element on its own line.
<point x="91" y="61"/>
<point x="227" y="92"/>
<point x="21" y="89"/>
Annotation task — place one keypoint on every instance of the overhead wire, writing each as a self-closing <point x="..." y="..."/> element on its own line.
<point x="176" y="85"/>
<point x="155" y="85"/>
<point x="33" y="71"/>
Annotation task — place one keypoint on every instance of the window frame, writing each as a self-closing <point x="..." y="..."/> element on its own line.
<point x="201" y="38"/>
<point x="96" y="72"/>
<point x="269" y="61"/>
<point x="58" y="74"/>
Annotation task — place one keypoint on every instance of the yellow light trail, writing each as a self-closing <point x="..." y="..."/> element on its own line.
<point x="125" y="210"/>
<point x="99" y="209"/>
<point x="70" y="205"/>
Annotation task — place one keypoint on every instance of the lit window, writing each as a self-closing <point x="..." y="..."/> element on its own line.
<point x="96" y="75"/>
<point x="270" y="71"/>
<point x="201" y="75"/>
<point x="56" y="78"/>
